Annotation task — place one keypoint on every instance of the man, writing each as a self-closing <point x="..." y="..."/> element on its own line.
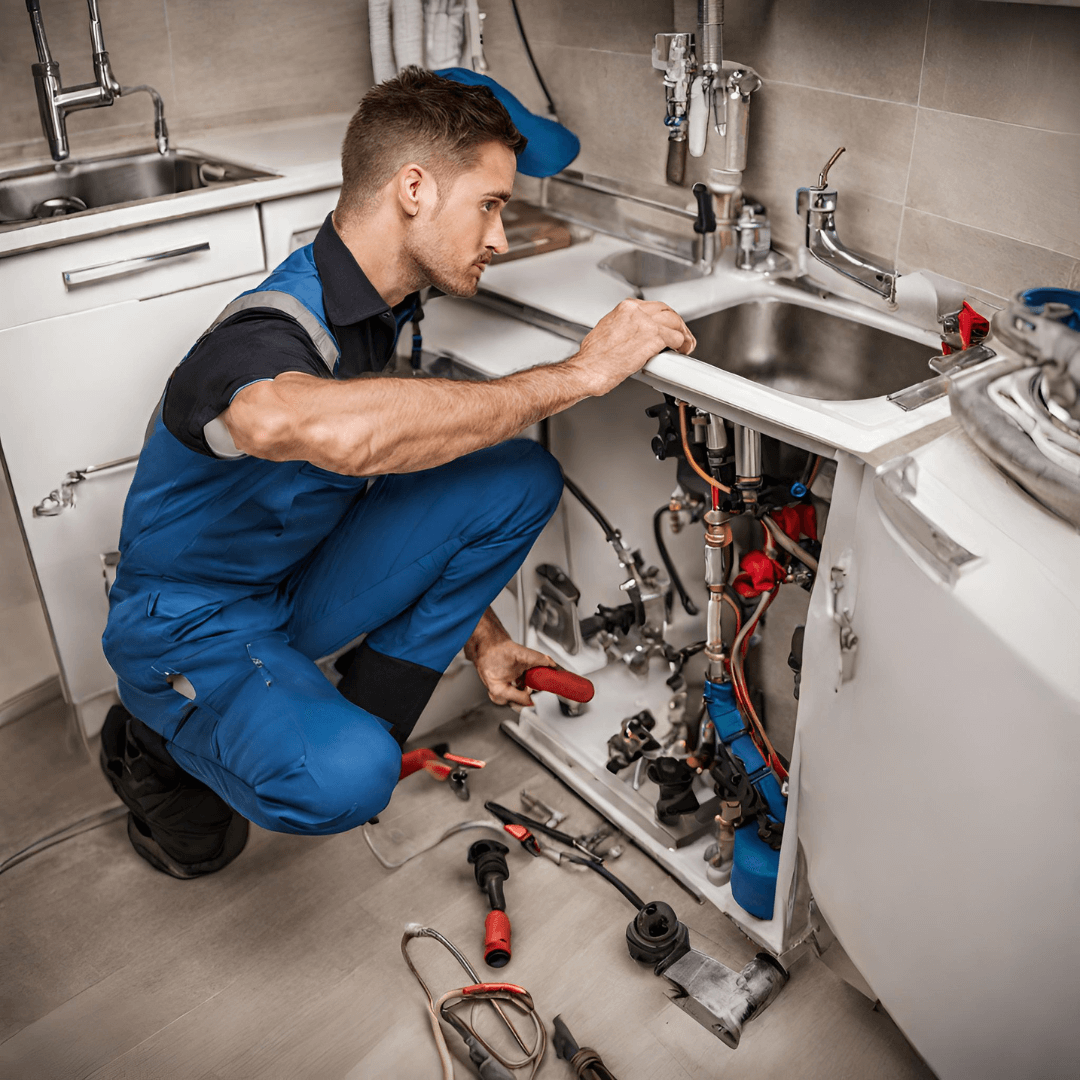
<point x="286" y="502"/>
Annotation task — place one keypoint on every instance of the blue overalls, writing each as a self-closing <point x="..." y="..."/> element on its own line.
<point x="238" y="573"/>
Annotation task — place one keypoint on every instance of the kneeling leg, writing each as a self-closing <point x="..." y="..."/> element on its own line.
<point x="282" y="746"/>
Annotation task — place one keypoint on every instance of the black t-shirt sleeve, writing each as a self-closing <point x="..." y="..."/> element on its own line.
<point x="250" y="346"/>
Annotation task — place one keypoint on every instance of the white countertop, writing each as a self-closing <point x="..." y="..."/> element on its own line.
<point x="304" y="154"/>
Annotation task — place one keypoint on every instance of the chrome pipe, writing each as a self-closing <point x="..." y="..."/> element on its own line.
<point x="747" y="454"/>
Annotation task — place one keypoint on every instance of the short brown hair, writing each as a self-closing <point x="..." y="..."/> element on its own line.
<point x="418" y="116"/>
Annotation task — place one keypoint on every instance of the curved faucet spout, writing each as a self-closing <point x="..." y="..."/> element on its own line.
<point x="161" y="131"/>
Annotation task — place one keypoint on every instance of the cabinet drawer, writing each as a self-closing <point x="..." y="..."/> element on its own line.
<point x="131" y="265"/>
<point x="292" y="223"/>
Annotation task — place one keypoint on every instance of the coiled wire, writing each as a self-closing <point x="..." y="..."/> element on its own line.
<point x="441" y="1007"/>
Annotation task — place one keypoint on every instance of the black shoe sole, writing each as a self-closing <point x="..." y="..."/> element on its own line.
<point x="232" y="837"/>
<point x="142" y="840"/>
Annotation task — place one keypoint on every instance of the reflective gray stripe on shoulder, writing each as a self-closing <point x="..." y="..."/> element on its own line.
<point x="289" y="305"/>
<point x="220" y="440"/>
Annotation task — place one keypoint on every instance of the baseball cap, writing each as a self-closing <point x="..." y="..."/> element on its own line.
<point x="551" y="146"/>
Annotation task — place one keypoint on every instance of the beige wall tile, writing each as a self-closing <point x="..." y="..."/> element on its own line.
<point x="1021" y="182"/>
<point x="793" y="130"/>
<point x="1074" y="280"/>
<point x="1015" y="63"/>
<point x="995" y="264"/>
<point x="613" y="25"/>
<point x="137" y="39"/>
<point x="507" y="60"/>
<point x="853" y="46"/>
<point x="614" y="102"/>
<point x="268" y="58"/>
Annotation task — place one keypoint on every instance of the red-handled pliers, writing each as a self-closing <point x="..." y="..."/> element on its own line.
<point x="435" y="764"/>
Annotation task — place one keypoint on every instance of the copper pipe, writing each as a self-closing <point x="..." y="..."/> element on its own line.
<point x="690" y="457"/>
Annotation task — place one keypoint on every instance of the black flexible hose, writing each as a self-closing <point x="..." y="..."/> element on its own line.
<point x="688" y="605"/>
<point x="609" y="530"/>
<point x="532" y="61"/>
<point x="604" y="872"/>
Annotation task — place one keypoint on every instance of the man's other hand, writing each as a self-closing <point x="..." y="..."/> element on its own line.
<point x="625" y="339"/>
<point x="501" y="662"/>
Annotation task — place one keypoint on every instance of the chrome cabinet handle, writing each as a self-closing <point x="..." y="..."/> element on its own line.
<point x="90" y="275"/>
<point x="894" y="484"/>
<point x="63" y="498"/>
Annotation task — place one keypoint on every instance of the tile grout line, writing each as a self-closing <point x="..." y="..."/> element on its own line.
<point x="841" y="93"/>
<point x="890" y="101"/>
<point x="999" y="235"/>
<point x="1004" y="123"/>
<point x="914" y="136"/>
<point x="164" y="1027"/>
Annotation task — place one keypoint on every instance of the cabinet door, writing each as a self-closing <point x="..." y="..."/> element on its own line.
<point x="77" y="394"/>
<point x="288" y="224"/>
<point x="937" y="804"/>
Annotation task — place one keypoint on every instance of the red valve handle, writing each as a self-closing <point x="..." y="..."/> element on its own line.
<point x="564" y="683"/>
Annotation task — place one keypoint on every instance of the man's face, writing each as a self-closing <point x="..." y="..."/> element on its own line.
<point x="451" y="242"/>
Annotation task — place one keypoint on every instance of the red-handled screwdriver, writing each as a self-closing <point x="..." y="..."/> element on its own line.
<point x="564" y="683"/>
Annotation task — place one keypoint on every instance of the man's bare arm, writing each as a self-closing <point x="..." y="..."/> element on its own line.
<point x="366" y="427"/>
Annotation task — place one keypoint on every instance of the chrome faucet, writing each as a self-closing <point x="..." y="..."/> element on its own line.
<point x="55" y="101"/>
<point x="819" y="205"/>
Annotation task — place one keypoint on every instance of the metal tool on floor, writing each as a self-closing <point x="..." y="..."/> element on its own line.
<point x="512" y="817"/>
<point x="551" y="817"/>
<point x="716" y="996"/>
<point x="584" y="1060"/>
<point x="438" y="762"/>
<point x="488" y="860"/>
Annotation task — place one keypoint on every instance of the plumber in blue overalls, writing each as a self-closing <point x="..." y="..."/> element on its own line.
<point x="289" y="500"/>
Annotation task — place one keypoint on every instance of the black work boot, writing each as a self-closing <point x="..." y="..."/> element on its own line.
<point x="175" y="822"/>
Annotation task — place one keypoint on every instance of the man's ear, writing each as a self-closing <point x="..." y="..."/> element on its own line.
<point x="414" y="187"/>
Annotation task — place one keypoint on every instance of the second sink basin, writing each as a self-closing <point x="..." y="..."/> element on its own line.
<point x="809" y="353"/>
<point x="31" y="195"/>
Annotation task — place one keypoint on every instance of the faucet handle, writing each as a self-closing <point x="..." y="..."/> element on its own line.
<point x="706" y="212"/>
<point x="823" y="176"/>
<point x="806" y="198"/>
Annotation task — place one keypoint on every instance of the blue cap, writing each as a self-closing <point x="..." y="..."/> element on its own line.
<point x="551" y="146"/>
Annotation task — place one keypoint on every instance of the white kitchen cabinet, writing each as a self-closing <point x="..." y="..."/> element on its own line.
<point x="89" y="332"/>
<point x="936" y="802"/>
<point x="78" y="392"/>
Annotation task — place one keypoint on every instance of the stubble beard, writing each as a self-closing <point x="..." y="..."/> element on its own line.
<point x="434" y="264"/>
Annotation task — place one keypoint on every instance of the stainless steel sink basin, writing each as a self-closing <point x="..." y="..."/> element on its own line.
<point x="31" y="195"/>
<point x="802" y="351"/>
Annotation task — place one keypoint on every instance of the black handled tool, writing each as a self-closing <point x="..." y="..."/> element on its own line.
<point x="488" y="860"/>
<point x="584" y="1060"/>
